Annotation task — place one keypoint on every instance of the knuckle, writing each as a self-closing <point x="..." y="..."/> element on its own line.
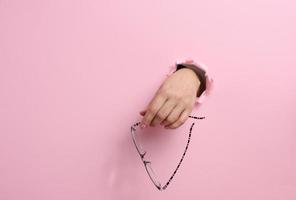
<point x="160" y="116"/>
<point x="181" y="121"/>
<point x="183" y="102"/>
<point x="152" y="110"/>
<point x="170" y="120"/>
<point x="175" y="96"/>
<point x="186" y="100"/>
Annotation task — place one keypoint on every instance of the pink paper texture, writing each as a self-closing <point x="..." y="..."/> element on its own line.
<point x="74" y="76"/>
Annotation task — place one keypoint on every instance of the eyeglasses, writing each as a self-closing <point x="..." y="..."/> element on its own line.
<point x="147" y="163"/>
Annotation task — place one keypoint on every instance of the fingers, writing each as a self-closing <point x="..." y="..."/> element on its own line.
<point x="152" y="109"/>
<point x="183" y="117"/>
<point x="181" y="120"/>
<point x="163" y="112"/>
<point x="174" y="115"/>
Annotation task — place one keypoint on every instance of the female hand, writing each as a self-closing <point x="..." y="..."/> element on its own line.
<point x="173" y="101"/>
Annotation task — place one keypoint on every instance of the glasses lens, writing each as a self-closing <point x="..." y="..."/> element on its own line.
<point x="153" y="176"/>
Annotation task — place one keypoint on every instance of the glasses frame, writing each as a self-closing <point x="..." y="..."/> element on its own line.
<point x="147" y="164"/>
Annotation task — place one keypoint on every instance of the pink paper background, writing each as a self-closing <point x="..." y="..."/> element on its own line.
<point x="75" y="74"/>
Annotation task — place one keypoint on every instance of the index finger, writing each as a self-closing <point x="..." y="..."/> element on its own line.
<point x="152" y="109"/>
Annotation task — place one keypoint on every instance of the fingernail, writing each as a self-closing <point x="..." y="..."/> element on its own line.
<point x="143" y="126"/>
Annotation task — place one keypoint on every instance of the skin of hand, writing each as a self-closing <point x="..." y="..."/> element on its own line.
<point x="173" y="101"/>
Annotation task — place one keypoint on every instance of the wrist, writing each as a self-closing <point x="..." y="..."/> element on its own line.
<point x="200" y="73"/>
